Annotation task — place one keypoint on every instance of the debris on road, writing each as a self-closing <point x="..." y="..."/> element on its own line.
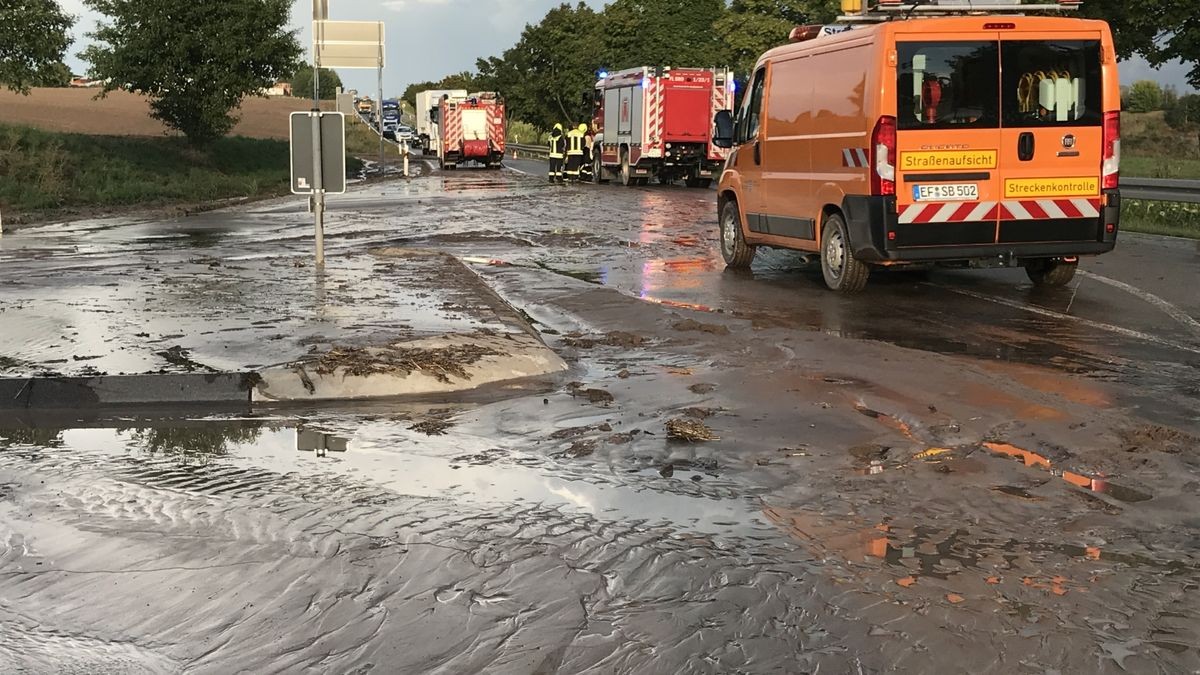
<point x="691" y="430"/>
<point x="440" y="362"/>
<point x="693" y="325"/>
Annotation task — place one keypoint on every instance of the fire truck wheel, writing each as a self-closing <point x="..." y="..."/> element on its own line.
<point x="702" y="183"/>
<point x="627" y="178"/>
<point x="737" y="253"/>
<point x="597" y="168"/>
<point x="842" y="272"/>
<point x="1050" y="271"/>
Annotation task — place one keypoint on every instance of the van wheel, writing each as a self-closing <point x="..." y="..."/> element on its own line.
<point x="734" y="249"/>
<point x="1050" y="272"/>
<point x="627" y="178"/>
<point x="842" y="271"/>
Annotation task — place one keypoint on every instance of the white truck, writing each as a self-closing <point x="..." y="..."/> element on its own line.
<point x="428" y="103"/>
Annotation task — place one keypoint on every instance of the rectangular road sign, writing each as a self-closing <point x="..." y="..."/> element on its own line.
<point x="348" y="44"/>
<point x="333" y="152"/>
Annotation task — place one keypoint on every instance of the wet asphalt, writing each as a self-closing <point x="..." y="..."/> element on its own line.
<point x="948" y="473"/>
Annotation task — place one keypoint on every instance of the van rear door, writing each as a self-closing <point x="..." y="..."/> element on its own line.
<point x="1052" y="136"/>
<point x="948" y="138"/>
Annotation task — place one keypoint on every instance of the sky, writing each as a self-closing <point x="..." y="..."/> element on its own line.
<point x="428" y="39"/>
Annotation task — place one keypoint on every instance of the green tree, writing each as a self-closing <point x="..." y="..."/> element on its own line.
<point x="33" y="41"/>
<point x="1145" y="96"/>
<point x="545" y="75"/>
<point x="54" y="75"/>
<point x="751" y="27"/>
<point x="302" y="83"/>
<point x="195" y="60"/>
<point x="662" y="33"/>
<point x="1158" y="30"/>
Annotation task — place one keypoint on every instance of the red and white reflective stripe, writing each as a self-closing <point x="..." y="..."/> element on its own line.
<point x="654" y="114"/>
<point x="855" y="157"/>
<point x="947" y="212"/>
<point x="497" y="118"/>
<point x="1047" y="209"/>
<point x="454" y="131"/>
<point x="720" y="101"/>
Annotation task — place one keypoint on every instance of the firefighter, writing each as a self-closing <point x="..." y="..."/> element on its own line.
<point x="558" y="146"/>
<point x="585" y="166"/>
<point x="574" y="153"/>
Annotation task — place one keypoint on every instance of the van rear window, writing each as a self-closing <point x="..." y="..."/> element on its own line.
<point x="1051" y="83"/>
<point x="948" y="85"/>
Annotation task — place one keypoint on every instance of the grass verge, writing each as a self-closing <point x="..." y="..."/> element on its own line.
<point x="43" y="172"/>
<point x="1170" y="218"/>
<point x="1160" y="167"/>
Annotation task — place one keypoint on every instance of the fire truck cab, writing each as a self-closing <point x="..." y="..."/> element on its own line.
<point x="970" y="135"/>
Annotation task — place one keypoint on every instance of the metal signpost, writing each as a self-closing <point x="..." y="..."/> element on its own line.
<point x="336" y="44"/>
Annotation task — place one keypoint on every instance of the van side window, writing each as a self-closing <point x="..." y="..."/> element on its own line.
<point x="948" y="85"/>
<point x="1051" y="83"/>
<point x="749" y="119"/>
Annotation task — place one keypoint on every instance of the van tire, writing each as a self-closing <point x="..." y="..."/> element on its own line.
<point x="734" y="249"/>
<point x="842" y="271"/>
<point x="1050" y="272"/>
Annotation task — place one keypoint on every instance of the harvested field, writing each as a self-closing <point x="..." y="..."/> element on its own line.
<point x="126" y="114"/>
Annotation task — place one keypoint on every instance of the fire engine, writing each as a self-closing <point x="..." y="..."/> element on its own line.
<point x="471" y="129"/>
<point x="657" y="123"/>
<point x="947" y="132"/>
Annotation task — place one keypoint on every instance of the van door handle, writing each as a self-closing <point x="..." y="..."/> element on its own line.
<point x="1025" y="146"/>
<point x="757" y="153"/>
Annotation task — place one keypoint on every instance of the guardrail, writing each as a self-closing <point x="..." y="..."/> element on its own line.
<point x="1161" y="189"/>
<point x="1153" y="189"/>
<point x="533" y="151"/>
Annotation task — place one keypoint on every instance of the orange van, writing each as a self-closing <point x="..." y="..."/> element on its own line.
<point x="971" y="140"/>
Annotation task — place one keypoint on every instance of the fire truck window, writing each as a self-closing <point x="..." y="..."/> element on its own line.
<point x="947" y="85"/>
<point x="748" y="121"/>
<point x="1051" y="83"/>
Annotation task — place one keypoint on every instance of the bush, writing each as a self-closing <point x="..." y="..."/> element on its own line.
<point x="1145" y="96"/>
<point x="1185" y="114"/>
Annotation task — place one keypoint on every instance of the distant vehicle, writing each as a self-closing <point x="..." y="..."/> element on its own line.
<point x="657" y="123"/>
<point x="428" y="103"/>
<point x="391" y="104"/>
<point x="970" y="141"/>
<point x="471" y="130"/>
<point x="404" y="133"/>
<point x="390" y="122"/>
<point x="365" y="106"/>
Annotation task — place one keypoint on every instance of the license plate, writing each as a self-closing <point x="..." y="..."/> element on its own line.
<point x="946" y="192"/>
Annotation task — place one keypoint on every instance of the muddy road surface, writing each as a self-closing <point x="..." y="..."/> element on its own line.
<point x="741" y="473"/>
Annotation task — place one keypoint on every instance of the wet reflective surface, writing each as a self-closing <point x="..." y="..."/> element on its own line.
<point x="914" y="480"/>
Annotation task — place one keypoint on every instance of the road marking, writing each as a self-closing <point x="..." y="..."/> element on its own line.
<point x="523" y="173"/>
<point x="1174" y="312"/>
<point x="1127" y="332"/>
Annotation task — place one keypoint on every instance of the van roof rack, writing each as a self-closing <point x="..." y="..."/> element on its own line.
<point x="860" y="11"/>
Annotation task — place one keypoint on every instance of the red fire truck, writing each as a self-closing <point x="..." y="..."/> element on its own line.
<point x="471" y="129"/>
<point x="658" y="122"/>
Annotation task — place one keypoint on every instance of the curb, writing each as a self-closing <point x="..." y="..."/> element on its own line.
<point x="125" y="390"/>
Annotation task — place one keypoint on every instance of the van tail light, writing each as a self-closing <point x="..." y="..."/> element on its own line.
<point x="1111" y="166"/>
<point x="883" y="157"/>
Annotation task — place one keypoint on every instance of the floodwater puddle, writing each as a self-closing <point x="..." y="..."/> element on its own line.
<point x="1087" y="482"/>
<point x="406" y="462"/>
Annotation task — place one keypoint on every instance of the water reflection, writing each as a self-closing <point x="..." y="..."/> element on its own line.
<point x="308" y="440"/>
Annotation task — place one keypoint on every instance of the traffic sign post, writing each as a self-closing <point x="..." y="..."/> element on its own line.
<point x="318" y="161"/>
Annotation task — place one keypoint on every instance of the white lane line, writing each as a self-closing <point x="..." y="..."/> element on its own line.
<point x="1127" y="332"/>
<point x="523" y="173"/>
<point x="1173" y="311"/>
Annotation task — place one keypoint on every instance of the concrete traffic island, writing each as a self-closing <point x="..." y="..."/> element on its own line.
<point x="238" y="327"/>
<point x="440" y="365"/>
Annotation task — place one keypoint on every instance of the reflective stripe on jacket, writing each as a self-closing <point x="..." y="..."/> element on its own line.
<point x="557" y="145"/>
<point x="574" y="142"/>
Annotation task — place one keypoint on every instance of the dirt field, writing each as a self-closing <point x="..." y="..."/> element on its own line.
<point x="125" y="114"/>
